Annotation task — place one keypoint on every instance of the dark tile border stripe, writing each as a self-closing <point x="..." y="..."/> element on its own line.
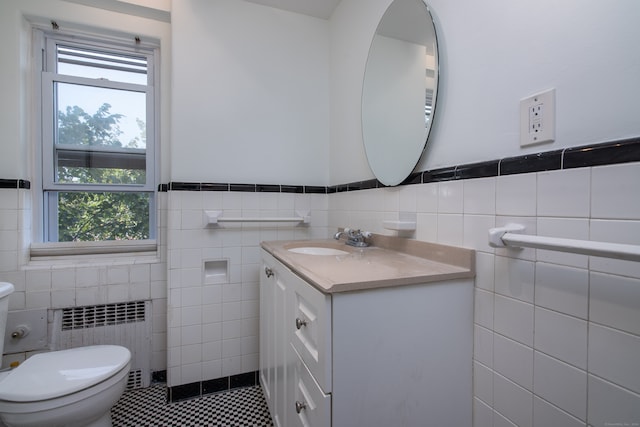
<point x="478" y="170"/>
<point x="438" y="175"/>
<point x="15" y="183"/>
<point x="198" y="389"/>
<point x="310" y="189"/>
<point x="607" y="153"/>
<point x="184" y="186"/>
<point x="246" y="188"/>
<point x="214" y="187"/>
<point x="250" y="188"/>
<point x="623" y="151"/>
<point x="413" y="178"/>
<point x="550" y="160"/>
<point x="298" y="189"/>
<point x="268" y="188"/>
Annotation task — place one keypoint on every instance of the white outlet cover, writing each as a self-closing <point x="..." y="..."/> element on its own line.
<point x="538" y="118"/>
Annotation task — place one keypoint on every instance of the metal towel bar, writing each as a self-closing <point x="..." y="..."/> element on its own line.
<point x="215" y="217"/>
<point x="511" y="236"/>
<point x="273" y="219"/>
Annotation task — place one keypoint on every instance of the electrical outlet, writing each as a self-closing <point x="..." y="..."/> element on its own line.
<point x="537" y="118"/>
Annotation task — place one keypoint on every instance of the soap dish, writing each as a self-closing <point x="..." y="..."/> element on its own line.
<point x="399" y="225"/>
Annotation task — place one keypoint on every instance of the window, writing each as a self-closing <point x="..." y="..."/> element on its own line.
<point x="98" y="140"/>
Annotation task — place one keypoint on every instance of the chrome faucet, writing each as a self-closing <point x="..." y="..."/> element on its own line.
<point x="355" y="238"/>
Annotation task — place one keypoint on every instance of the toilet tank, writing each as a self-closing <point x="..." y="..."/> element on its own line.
<point x="5" y="290"/>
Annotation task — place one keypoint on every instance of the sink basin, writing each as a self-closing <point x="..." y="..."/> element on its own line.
<point x="317" y="250"/>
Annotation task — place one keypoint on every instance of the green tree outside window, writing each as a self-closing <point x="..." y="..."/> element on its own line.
<point x="93" y="216"/>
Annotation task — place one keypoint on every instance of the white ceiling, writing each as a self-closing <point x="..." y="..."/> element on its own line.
<point x="318" y="8"/>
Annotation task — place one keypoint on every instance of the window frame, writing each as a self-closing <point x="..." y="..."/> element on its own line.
<point x="47" y="76"/>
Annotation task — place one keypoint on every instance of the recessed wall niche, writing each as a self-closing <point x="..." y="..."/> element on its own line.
<point x="216" y="271"/>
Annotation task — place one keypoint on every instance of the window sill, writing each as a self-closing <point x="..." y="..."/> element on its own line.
<point x="104" y="252"/>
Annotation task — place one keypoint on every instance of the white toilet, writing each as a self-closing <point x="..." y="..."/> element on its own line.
<point x="66" y="388"/>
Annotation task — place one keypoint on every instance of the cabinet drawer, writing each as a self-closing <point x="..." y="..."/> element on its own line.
<point x="311" y="329"/>
<point x="309" y="406"/>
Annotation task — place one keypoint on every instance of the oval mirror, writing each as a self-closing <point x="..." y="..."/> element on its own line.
<point x="399" y="90"/>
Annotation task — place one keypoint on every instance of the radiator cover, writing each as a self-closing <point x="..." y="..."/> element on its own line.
<point x="127" y="324"/>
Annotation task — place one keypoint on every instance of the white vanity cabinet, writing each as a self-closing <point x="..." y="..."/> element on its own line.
<point x="295" y="326"/>
<point x="389" y="356"/>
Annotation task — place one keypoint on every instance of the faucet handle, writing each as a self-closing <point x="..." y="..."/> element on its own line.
<point x="354" y="237"/>
<point x="358" y="233"/>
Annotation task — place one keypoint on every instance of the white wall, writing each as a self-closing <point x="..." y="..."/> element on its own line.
<point x="250" y="94"/>
<point x="13" y="85"/>
<point x="492" y="55"/>
<point x="353" y="24"/>
<point x="15" y="71"/>
<point x="67" y="284"/>
<point x="250" y="105"/>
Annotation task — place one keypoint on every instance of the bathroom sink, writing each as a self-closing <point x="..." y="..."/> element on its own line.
<point x="317" y="250"/>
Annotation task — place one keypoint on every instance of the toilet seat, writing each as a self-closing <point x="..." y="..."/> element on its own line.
<point x="46" y="376"/>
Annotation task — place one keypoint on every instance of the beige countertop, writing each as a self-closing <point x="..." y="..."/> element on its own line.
<point x="389" y="261"/>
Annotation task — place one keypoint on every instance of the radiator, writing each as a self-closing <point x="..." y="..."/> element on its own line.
<point x="127" y="324"/>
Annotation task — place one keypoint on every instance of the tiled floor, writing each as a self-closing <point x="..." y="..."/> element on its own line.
<point x="244" y="407"/>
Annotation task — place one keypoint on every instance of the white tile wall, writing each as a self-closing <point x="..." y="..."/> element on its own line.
<point x="513" y="360"/>
<point x="213" y="328"/>
<point x="483" y="345"/>
<point x="613" y="301"/>
<point x="450" y="197"/>
<point x="612" y="355"/>
<point x="545" y="415"/>
<point x="561" y="336"/>
<point x="556" y="336"/>
<point x="564" y="193"/>
<point x="514" y="319"/>
<point x="480" y="196"/>
<point x="540" y="316"/>
<point x="516" y="195"/>
<point x="484" y="308"/>
<point x="512" y="401"/>
<point x="562" y="288"/>
<point x="561" y="384"/>
<point x="610" y="404"/>
<point x="483" y="384"/>
<point x="514" y="278"/>
<point x="482" y="413"/>
<point x="623" y="203"/>
<point x="59" y="285"/>
<point x="450" y="229"/>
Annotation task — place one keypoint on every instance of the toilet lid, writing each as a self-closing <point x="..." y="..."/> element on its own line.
<point x="49" y="375"/>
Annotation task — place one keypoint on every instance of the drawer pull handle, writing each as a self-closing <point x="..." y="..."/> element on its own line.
<point x="268" y="271"/>
<point x="300" y="323"/>
<point x="300" y="406"/>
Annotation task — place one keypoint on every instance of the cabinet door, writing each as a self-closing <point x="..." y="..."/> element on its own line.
<point x="274" y="337"/>
<point x="311" y="329"/>
<point x="308" y="405"/>
<point x="267" y="327"/>
<point x="280" y="340"/>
